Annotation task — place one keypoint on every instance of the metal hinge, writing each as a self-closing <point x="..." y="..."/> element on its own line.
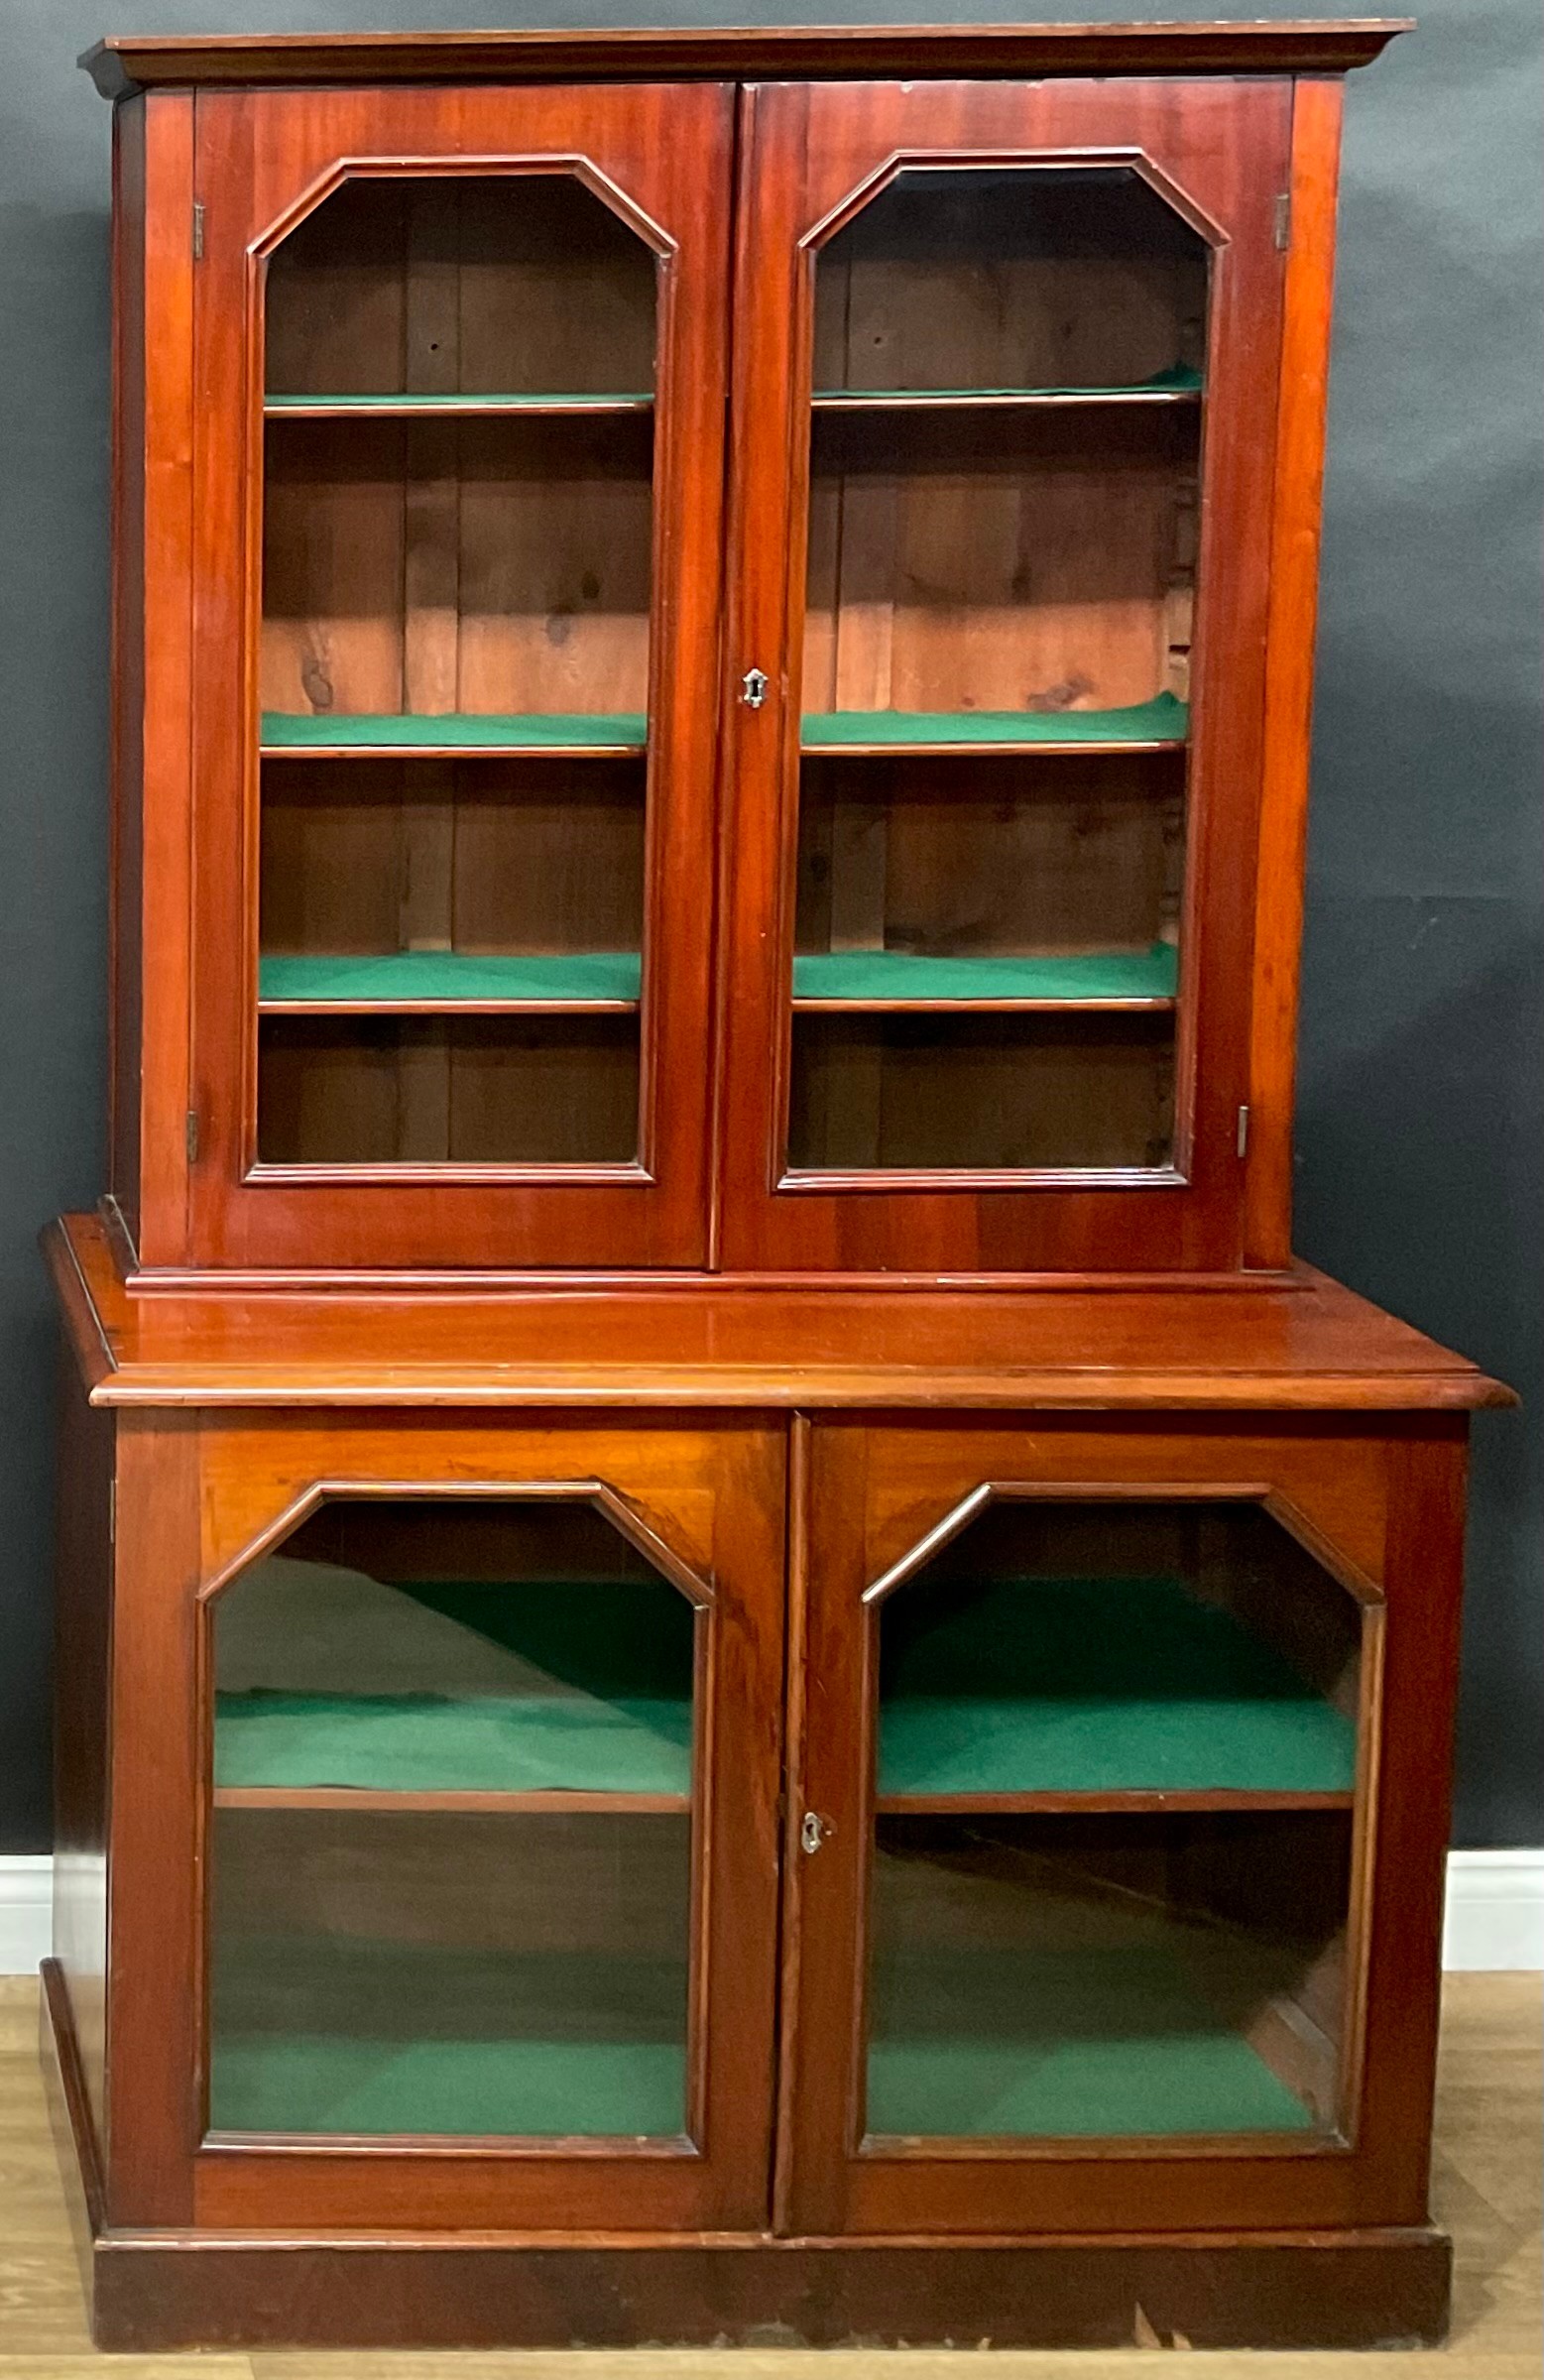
<point x="1244" y="1131"/>
<point x="1284" y="219"/>
<point x="192" y="1135"/>
<point x="197" y="229"/>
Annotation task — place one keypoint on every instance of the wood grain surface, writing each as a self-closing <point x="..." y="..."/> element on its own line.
<point x="1486" y="2189"/>
<point x="1302" y="1341"/>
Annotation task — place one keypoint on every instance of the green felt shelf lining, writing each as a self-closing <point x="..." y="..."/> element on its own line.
<point x="319" y="2036"/>
<point x="1180" y="380"/>
<point x="316" y="2035"/>
<point x="401" y="401"/>
<point x="448" y="1743"/>
<point x="451" y="975"/>
<point x="1164" y="720"/>
<point x="604" y="1707"/>
<point x="885" y="975"/>
<point x="1021" y="1686"/>
<point x="859" y="974"/>
<point x="517" y="731"/>
<point x="1095" y="2042"/>
<point x="1096" y="1686"/>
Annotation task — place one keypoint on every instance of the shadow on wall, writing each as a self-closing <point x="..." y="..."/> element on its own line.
<point x="1414" y="1153"/>
<point x="53" y="646"/>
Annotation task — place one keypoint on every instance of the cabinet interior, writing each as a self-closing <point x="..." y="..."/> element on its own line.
<point x="1117" y="1754"/>
<point x="458" y="461"/>
<point x="418" y="1971"/>
<point x="1036" y="1092"/>
<point x="394" y="1089"/>
<point x="1101" y="1975"/>
<point x="452" y="1826"/>
<point x="462" y="285"/>
<point x="1005" y="472"/>
<point x="489" y="564"/>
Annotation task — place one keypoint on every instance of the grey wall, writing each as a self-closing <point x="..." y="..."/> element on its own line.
<point x="1419" y="1142"/>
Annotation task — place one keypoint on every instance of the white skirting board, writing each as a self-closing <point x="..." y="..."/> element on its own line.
<point x="25" y="1884"/>
<point x="1496" y="1911"/>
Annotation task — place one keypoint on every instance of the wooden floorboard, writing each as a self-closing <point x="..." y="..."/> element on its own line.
<point x="1487" y="2192"/>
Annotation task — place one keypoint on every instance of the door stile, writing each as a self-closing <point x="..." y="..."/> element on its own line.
<point x="829" y="1763"/>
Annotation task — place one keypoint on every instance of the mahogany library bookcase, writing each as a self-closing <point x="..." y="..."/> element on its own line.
<point x="741" y="1659"/>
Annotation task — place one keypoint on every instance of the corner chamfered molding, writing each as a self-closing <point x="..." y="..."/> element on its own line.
<point x="128" y="62"/>
<point x="608" y="1501"/>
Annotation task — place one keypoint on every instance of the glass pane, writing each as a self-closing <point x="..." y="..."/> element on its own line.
<point x="1106" y="1975"/>
<point x="1058" y="1946"/>
<point x="412" y="1972"/>
<point x="1004" y="486"/>
<point x="379" y="1089"/>
<point x="452" y="1854"/>
<point x="456" y="592"/>
<point x="979" y="1090"/>
<point x="1113" y="1647"/>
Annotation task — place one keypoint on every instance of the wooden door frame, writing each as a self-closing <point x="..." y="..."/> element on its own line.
<point x="199" y="1497"/>
<point x="658" y="157"/>
<point x="808" y="156"/>
<point x="1383" y="1500"/>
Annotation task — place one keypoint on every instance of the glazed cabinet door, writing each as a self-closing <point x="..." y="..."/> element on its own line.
<point x="1114" y="1856"/>
<point x="483" y="1799"/>
<point x="458" y="430"/>
<point x="1006" y="403"/>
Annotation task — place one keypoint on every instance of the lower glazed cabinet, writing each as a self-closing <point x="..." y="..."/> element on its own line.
<point x="594" y="1877"/>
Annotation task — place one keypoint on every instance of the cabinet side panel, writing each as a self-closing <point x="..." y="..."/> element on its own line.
<point x="82" y="1624"/>
<point x="153" y="1905"/>
<point x="155" y="686"/>
<point x="1289" y="666"/>
<point x="125" y="940"/>
<point x="1428" y="1465"/>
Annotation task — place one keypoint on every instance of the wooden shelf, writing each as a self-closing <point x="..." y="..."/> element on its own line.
<point x="895" y="981"/>
<point x="387" y="402"/>
<point x="1179" y="387"/>
<point x="427" y="982"/>
<point x="1096" y="1688"/>
<point x="458" y="735"/>
<point x="1145" y="727"/>
<point x="1156" y="725"/>
<point x="374" y="1802"/>
<point x="1156" y="1800"/>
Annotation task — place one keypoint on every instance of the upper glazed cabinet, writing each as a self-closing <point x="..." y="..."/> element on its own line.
<point x="682" y="714"/>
